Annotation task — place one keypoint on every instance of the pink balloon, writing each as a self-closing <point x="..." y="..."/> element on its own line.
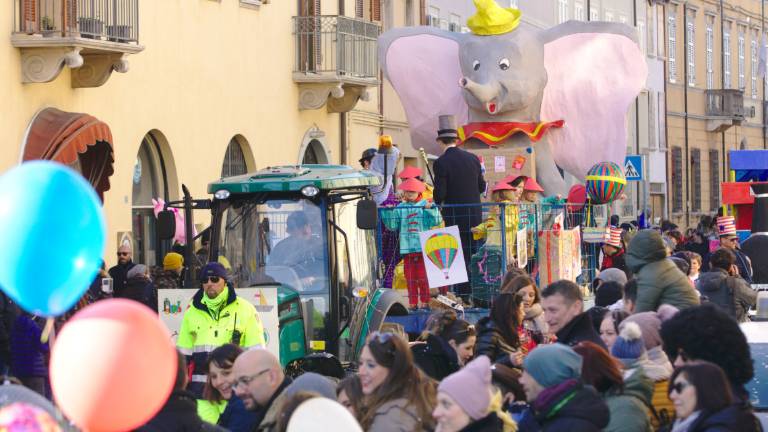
<point x="113" y="366"/>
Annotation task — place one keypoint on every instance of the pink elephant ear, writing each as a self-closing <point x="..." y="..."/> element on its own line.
<point x="422" y="63"/>
<point x="157" y="205"/>
<point x="594" y="72"/>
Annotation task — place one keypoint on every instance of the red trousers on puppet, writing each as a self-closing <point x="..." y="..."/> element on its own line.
<point x="416" y="278"/>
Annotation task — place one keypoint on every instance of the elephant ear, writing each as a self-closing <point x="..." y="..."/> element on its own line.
<point x="595" y="71"/>
<point x="422" y="64"/>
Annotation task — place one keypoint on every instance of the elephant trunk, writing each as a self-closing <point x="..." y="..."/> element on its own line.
<point x="487" y="94"/>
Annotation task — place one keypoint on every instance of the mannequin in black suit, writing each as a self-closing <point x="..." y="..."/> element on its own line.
<point x="458" y="180"/>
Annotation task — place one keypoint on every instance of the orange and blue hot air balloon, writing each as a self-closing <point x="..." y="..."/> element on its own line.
<point x="441" y="249"/>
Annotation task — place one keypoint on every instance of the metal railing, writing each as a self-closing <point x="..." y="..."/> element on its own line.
<point x="109" y="20"/>
<point x="334" y="44"/>
<point x="725" y="103"/>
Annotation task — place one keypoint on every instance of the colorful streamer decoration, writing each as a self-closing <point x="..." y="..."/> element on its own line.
<point x="605" y="182"/>
<point x="441" y="249"/>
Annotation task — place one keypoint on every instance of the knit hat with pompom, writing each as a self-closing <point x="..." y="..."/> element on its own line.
<point x="629" y="345"/>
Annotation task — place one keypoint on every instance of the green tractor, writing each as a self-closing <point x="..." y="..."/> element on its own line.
<point x="308" y="231"/>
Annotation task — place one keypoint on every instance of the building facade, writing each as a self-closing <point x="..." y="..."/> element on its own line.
<point x="715" y="97"/>
<point x="142" y="97"/>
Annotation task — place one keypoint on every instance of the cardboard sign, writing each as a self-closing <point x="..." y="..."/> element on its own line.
<point x="172" y="303"/>
<point x="443" y="256"/>
<point x="522" y="248"/>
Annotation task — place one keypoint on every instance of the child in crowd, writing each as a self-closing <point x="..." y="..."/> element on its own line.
<point x="411" y="217"/>
<point x="486" y="263"/>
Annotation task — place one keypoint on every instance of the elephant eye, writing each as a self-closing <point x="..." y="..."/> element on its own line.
<point x="476" y="65"/>
<point x="504" y="64"/>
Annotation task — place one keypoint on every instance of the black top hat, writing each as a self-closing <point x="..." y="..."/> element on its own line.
<point x="447" y="127"/>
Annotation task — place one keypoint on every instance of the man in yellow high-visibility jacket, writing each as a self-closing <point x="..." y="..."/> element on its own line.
<point x="216" y="316"/>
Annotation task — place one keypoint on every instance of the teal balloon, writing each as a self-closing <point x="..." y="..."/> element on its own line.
<point x="53" y="232"/>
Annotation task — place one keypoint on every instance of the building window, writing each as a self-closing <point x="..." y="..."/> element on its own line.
<point x="562" y="11"/>
<point x="710" y="52"/>
<point x="623" y="19"/>
<point x="234" y="160"/>
<point x="409" y="13"/>
<point x="691" y="52"/>
<point x="714" y="180"/>
<point x="608" y="16"/>
<point x="593" y="14"/>
<point x="578" y="11"/>
<point x="677" y="179"/>
<point x="742" y="57"/>
<point x="672" y="33"/>
<point x="433" y="19"/>
<point x="642" y="35"/>
<point x="513" y="3"/>
<point x="455" y="24"/>
<point x="696" y="186"/>
<point x="753" y="64"/>
<point x="727" y="55"/>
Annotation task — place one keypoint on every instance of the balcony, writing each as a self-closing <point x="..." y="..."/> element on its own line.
<point x="91" y="37"/>
<point x="336" y="61"/>
<point x="725" y="108"/>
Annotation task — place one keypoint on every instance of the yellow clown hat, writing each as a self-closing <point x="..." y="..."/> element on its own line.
<point x="492" y="19"/>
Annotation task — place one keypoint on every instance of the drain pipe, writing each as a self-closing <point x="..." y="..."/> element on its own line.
<point x="685" y="119"/>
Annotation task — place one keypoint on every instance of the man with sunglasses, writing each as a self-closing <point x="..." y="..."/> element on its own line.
<point x="119" y="273"/>
<point x="216" y="316"/>
<point x="729" y="239"/>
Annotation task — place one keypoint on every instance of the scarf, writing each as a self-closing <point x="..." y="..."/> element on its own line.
<point x="216" y="304"/>
<point x="534" y="312"/>
<point x="684" y="425"/>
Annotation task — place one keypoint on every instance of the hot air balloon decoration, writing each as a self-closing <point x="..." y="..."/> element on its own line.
<point x="605" y="182"/>
<point x="441" y="249"/>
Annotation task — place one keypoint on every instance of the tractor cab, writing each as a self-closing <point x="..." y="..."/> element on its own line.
<point x="308" y="230"/>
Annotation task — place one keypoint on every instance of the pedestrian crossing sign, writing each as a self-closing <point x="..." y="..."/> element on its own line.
<point x="633" y="167"/>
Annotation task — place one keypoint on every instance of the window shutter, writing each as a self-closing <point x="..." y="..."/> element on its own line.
<point x="29" y="11"/>
<point x="714" y="180"/>
<point x="375" y="10"/>
<point x="359" y="8"/>
<point x="423" y="12"/>
<point x="677" y="179"/>
<point x="696" y="187"/>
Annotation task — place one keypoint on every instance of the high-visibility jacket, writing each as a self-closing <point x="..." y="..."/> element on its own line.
<point x="202" y="331"/>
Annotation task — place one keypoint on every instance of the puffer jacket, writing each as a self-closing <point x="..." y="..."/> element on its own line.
<point x="435" y="357"/>
<point x="629" y="409"/>
<point x="491" y="343"/>
<point x="659" y="281"/>
<point x="732" y="294"/>
<point x="397" y="415"/>
<point x="410" y="219"/>
<point x="569" y="406"/>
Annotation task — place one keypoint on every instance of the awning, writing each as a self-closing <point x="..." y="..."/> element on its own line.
<point x="66" y="137"/>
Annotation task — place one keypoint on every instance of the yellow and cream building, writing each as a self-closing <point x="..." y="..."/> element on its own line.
<point x="715" y="97"/>
<point x="144" y="96"/>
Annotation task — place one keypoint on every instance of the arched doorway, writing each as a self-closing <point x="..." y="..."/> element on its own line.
<point x="150" y="180"/>
<point x="314" y="153"/>
<point x="238" y="159"/>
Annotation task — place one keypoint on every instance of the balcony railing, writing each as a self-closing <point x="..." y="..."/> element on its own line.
<point x="336" y="45"/>
<point x="107" y="20"/>
<point x="725" y="103"/>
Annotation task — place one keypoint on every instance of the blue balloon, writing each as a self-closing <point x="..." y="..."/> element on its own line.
<point x="53" y="232"/>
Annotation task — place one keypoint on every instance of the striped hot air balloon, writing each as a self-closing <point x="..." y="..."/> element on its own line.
<point x="605" y="182"/>
<point x="441" y="249"/>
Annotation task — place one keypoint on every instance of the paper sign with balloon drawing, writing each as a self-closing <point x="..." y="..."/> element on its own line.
<point x="522" y="248"/>
<point x="443" y="257"/>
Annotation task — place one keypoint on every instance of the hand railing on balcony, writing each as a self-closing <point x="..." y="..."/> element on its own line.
<point x="109" y="20"/>
<point x="725" y="103"/>
<point x="339" y="45"/>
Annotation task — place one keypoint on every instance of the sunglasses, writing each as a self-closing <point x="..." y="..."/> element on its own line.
<point x="380" y="337"/>
<point x="211" y="279"/>
<point x="678" y="387"/>
<point x="123" y="253"/>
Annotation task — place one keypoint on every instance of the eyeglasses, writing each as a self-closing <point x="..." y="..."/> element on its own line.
<point x="123" y="253"/>
<point x="245" y="380"/>
<point x="211" y="279"/>
<point x="678" y="387"/>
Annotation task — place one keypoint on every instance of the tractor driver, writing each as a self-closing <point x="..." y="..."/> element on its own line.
<point x="301" y="251"/>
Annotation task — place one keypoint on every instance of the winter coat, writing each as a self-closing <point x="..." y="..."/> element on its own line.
<point x="236" y="418"/>
<point x="119" y="275"/>
<point x="732" y="294"/>
<point x="435" y="357"/>
<point x="410" y="219"/>
<point x="165" y="278"/>
<point x="210" y="411"/>
<point x="140" y="289"/>
<point x="579" y="329"/>
<point x="489" y="423"/>
<point x="617" y="260"/>
<point x="8" y="314"/>
<point x="570" y="407"/>
<point x="726" y="420"/>
<point x="491" y="342"/>
<point x="659" y="281"/>
<point x="179" y="414"/>
<point x="397" y="415"/>
<point x="629" y="408"/>
<point x="268" y="415"/>
<point x="744" y="264"/>
<point x="27" y="352"/>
